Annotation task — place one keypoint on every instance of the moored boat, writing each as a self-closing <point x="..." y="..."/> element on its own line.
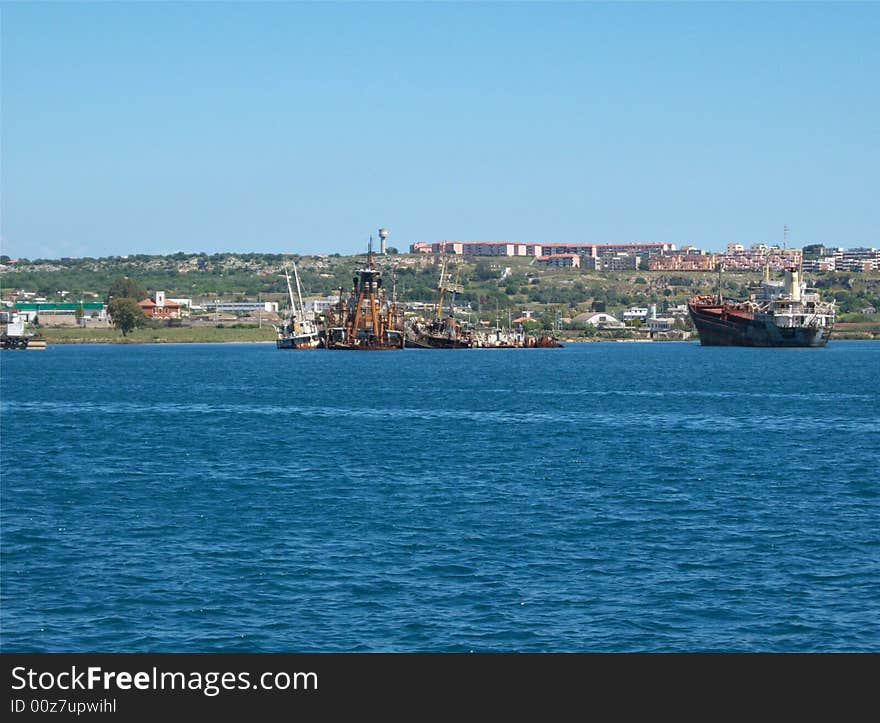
<point x="300" y="330"/>
<point x="782" y="314"/>
<point x="512" y="339"/>
<point x="447" y="332"/>
<point x="367" y="320"/>
<point x="440" y="332"/>
<point x="14" y="336"/>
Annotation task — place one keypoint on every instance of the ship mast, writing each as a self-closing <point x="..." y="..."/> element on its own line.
<point x="445" y="285"/>
<point x="290" y="291"/>
<point x="302" y="311"/>
<point x="441" y="286"/>
<point x="453" y="288"/>
<point x="374" y="302"/>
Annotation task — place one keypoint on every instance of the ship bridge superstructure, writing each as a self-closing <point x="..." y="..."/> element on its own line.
<point x="790" y="304"/>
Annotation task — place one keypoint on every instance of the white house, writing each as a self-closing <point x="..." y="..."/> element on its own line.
<point x="242" y="306"/>
<point x="661" y="323"/>
<point x="318" y="306"/>
<point x="600" y="320"/>
<point x="635" y="313"/>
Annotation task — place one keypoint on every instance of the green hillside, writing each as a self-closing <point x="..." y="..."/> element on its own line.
<point x="493" y="286"/>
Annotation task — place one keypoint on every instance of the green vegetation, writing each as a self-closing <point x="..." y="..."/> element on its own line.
<point x="856" y="318"/>
<point x="853" y="292"/>
<point x="493" y="287"/>
<point x="185" y="334"/>
<point x="126" y="314"/>
<point x="127" y="288"/>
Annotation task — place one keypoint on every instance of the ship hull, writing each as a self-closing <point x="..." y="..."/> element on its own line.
<point x="297" y="342"/>
<point x="426" y="342"/>
<point x="715" y="330"/>
<point x="519" y="342"/>
<point x="362" y="346"/>
<point x="21" y="342"/>
<point x="337" y="341"/>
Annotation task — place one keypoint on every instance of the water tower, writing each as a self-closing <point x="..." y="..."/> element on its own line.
<point x="383" y="234"/>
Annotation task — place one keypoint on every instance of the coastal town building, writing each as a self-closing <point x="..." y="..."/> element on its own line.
<point x="536" y="250"/>
<point x="858" y="259"/>
<point x="662" y="256"/>
<point x="825" y="258"/>
<point x="682" y="262"/>
<point x="661" y="323"/>
<point x="249" y="307"/>
<point x="677" y="310"/>
<point x="319" y="306"/>
<point x="736" y="258"/>
<point x="635" y="313"/>
<point x="600" y="320"/>
<point x="565" y="261"/>
<point x="159" y="307"/>
<point x="184" y="304"/>
<point x="759" y="256"/>
<point x="814" y="265"/>
<point x="49" y="313"/>
<point x="620" y="261"/>
<point x="485" y="248"/>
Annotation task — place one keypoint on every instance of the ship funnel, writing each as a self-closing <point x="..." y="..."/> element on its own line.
<point x="793" y="284"/>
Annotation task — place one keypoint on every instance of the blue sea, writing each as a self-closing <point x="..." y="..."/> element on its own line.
<point x="599" y="497"/>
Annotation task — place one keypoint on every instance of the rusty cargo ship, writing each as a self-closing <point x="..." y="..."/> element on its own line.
<point x="781" y="314"/>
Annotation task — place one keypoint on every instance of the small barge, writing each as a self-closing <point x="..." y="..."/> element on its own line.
<point x="15" y="336"/>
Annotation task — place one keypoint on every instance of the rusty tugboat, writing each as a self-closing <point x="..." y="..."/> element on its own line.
<point x="781" y="314"/>
<point x="367" y="320"/>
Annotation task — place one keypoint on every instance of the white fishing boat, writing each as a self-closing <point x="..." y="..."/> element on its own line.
<point x="300" y="329"/>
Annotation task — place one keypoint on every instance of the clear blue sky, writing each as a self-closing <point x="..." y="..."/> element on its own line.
<point x="152" y="128"/>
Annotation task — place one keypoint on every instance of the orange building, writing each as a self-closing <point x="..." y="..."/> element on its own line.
<point x="161" y="308"/>
<point x="682" y="262"/>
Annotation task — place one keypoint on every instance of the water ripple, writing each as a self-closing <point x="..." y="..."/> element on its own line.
<point x="594" y="498"/>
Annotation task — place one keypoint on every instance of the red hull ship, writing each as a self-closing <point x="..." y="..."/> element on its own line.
<point x="784" y="314"/>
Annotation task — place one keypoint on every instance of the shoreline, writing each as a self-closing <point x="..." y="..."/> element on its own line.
<point x="165" y="335"/>
<point x="141" y="342"/>
<point x="564" y="342"/>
